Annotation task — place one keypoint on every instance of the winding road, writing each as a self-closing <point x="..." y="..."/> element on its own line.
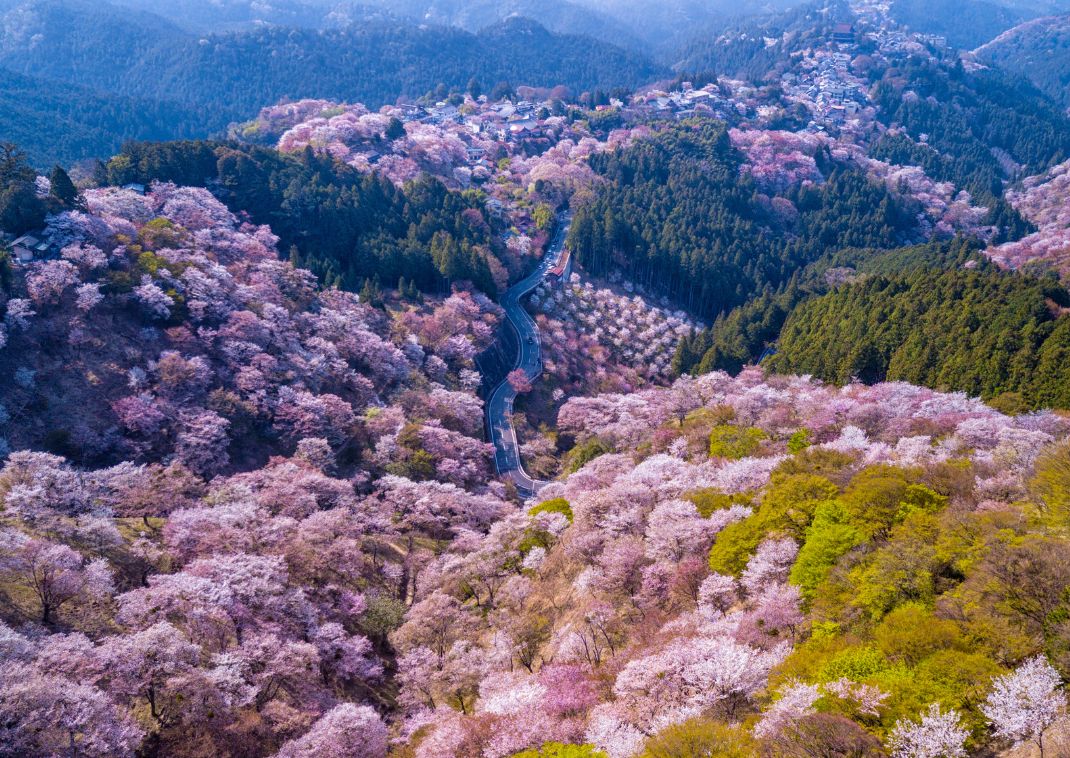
<point x="500" y="406"/>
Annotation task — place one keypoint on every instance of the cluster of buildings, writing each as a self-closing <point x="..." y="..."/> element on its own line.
<point x="824" y="83"/>
<point x="502" y="121"/>
<point x="688" y="101"/>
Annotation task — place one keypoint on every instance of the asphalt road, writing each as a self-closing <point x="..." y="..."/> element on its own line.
<point x="500" y="406"/>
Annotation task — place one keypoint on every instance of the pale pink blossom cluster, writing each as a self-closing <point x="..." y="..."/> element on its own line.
<point x="1045" y="201"/>
<point x="564" y="166"/>
<point x="779" y="160"/>
<point x="638" y="335"/>
<point x="945" y="211"/>
<point x="244" y="611"/>
<point x="275" y="120"/>
<point x="353" y="135"/>
<point x="893" y="422"/>
<point x="304" y="364"/>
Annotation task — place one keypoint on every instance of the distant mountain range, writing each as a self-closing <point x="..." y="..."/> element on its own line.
<point x="660" y="27"/>
<point x="98" y="52"/>
<point x="559" y="16"/>
<point x="56" y="122"/>
<point x="1039" y="50"/>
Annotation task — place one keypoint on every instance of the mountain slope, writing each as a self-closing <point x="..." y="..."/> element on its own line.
<point x="739" y="49"/>
<point x="669" y="24"/>
<point x="216" y="15"/>
<point x="965" y="25"/>
<point x="66" y="123"/>
<point x="983" y="332"/>
<point x="1038" y="50"/>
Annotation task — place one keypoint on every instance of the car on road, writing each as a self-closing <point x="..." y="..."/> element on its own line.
<point x="531" y="339"/>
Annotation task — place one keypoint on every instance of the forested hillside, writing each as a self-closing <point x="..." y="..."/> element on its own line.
<point x="790" y="569"/>
<point x="64" y="123"/>
<point x="221" y="15"/>
<point x="965" y="25"/>
<point x="967" y="120"/>
<point x="741" y="336"/>
<point x="739" y="48"/>
<point x="991" y="334"/>
<point x="719" y="410"/>
<point x="561" y="16"/>
<point x="1037" y="50"/>
<point x="667" y="26"/>
<point x="678" y="215"/>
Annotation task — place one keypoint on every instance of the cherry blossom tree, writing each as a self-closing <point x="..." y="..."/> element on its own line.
<point x="47" y="281"/>
<point x="89" y="296"/>
<point x="518" y="380"/>
<point x="45" y="714"/>
<point x="691" y="676"/>
<point x="54" y="574"/>
<point x="1024" y="703"/>
<point x="202" y="442"/>
<point x="936" y="735"/>
<point x="154" y="301"/>
<point x="19" y="312"/>
<point x="796" y="701"/>
<point x="345" y="731"/>
<point x="770" y="564"/>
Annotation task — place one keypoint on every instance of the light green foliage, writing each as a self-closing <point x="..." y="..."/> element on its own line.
<point x="560" y="750"/>
<point x="735" y="442"/>
<point x="556" y="505"/>
<point x="854" y="663"/>
<point x="875" y="496"/>
<point x="584" y="453"/>
<point x="701" y="737"/>
<point x="799" y="441"/>
<point x="902" y="570"/>
<point x="924" y="604"/>
<point x="710" y="500"/>
<point x="382" y="615"/>
<point x="910" y="633"/>
<point x="960" y="680"/>
<point x="1051" y="486"/>
<point x="831" y="464"/>
<point x="828" y="537"/>
<point x="788" y="507"/>
<point x="920" y="499"/>
<point x="543" y="216"/>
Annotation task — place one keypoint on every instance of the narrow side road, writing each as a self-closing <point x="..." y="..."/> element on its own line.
<point x="500" y="405"/>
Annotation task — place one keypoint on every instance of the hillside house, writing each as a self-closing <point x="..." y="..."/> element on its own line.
<point x="28" y="248"/>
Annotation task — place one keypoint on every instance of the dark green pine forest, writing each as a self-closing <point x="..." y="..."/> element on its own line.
<point x="675" y="215"/>
<point x="989" y="333"/>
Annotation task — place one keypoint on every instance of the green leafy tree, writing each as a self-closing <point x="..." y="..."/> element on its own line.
<point x="63" y="190"/>
<point x="727" y="441"/>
